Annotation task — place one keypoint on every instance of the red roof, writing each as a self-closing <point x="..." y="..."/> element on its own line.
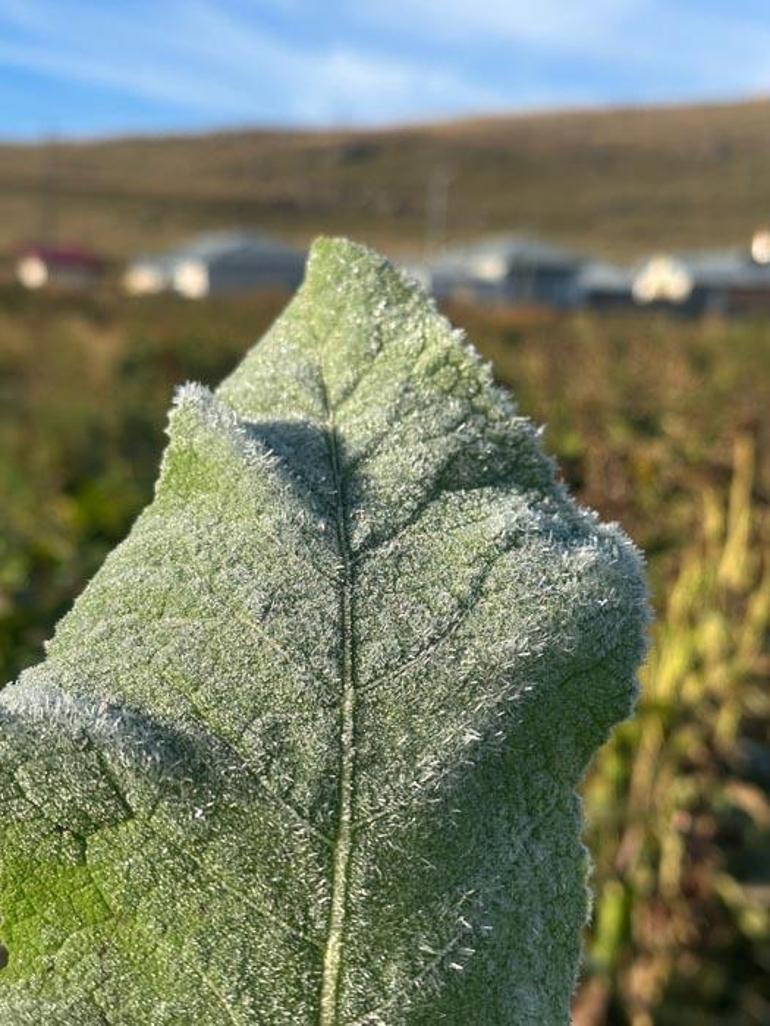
<point x="64" y="256"/>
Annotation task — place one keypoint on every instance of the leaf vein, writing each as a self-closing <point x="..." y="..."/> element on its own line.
<point x="332" y="964"/>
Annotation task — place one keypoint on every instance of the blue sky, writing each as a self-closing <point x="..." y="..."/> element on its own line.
<point x="99" y="67"/>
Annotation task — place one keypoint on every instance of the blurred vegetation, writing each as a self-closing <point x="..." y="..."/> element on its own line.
<point x="657" y="422"/>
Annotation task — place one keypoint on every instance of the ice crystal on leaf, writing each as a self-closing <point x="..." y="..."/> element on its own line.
<point x="305" y="749"/>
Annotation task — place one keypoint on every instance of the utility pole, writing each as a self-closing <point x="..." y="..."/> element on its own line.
<point x="437" y="207"/>
<point x="49" y="208"/>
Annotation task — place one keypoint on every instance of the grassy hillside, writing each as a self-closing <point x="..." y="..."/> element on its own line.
<point x="618" y="182"/>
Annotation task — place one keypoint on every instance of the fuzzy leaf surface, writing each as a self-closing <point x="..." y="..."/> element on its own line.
<point x="304" y="751"/>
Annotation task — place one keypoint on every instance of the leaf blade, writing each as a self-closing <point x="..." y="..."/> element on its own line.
<point x="337" y="688"/>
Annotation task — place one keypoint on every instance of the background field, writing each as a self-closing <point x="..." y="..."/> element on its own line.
<point x="658" y="422"/>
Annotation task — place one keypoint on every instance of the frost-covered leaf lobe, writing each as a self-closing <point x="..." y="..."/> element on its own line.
<point x="304" y="752"/>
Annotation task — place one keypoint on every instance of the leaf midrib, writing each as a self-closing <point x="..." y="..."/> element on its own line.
<point x="343" y="840"/>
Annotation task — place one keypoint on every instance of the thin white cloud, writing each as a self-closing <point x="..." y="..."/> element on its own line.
<point x="385" y="60"/>
<point x="551" y="23"/>
<point x="199" y="57"/>
<point x="141" y="79"/>
<point x="655" y="45"/>
<point x="567" y="52"/>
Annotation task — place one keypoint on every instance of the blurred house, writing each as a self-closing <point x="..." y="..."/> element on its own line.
<point x="725" y="281"/>
<point x="67" y="267"/>
<point x="510" y="269"/>
<point x="149" y="274"/>
<point x="604" y="286"/>
<point x="218" y="263"/>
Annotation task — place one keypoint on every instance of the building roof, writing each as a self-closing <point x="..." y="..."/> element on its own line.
<point x="212" y="246"/>
<point x="597" y="276"/>
<point x="62" y="256"/>
<point x="728" y="268"/>
<point x="507" y="251"/>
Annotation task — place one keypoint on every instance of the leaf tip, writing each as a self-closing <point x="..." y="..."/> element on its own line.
<point x="335" y="257"/>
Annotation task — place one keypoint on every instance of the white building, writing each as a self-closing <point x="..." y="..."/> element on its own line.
<point x="39" y="267"/>
<point x="604" y="286"/>
<point x="512" y="269"/>
<point x="727" y="281"/>
<point x="218" y="263"/>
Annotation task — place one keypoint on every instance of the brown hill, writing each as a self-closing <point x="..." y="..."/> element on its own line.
<point x="618" y="182"/>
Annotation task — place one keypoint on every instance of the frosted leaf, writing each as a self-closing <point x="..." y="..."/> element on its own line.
<point x="305" y="749"/>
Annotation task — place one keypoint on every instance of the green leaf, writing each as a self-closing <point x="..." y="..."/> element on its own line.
<point x="305" y="750"/>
